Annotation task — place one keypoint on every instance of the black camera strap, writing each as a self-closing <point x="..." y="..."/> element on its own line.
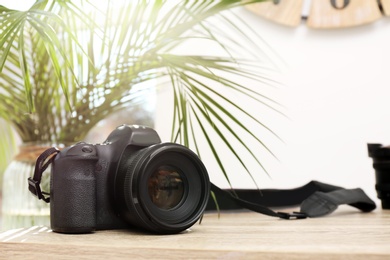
<point x="315" y="198"/>
<point x="43" y="161"/>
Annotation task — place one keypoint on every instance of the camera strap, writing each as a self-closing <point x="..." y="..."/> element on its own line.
<point x="43" y="161"/>
<point x="315" y="199"/>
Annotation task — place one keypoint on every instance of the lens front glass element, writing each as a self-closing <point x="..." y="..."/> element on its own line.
<point x="165" y="187"/>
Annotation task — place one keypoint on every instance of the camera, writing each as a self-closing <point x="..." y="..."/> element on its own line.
<point x="129" y="180"/>
<point x="381" y="163"/>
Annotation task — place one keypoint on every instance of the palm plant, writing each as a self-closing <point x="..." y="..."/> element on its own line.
<point x="65" y="65"/>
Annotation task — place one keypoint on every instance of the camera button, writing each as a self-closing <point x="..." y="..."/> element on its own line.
<point x="87" y="149"/>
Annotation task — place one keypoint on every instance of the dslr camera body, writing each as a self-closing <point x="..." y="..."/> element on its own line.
<point x="129" y="180"/>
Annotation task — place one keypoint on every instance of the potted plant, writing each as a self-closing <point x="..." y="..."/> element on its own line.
<point x="7" y="149"/>
<point x="66" y="65"/>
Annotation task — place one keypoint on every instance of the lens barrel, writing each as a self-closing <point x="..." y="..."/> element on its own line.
<point x="163" y="188"/>
<point x="381" y="163"/>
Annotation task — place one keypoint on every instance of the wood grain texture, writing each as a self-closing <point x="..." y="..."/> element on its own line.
<point x="386" y="7"/>
<point x="287" y="12"/>
<point x="358" y="12"/>
<point x="344" y="234"/>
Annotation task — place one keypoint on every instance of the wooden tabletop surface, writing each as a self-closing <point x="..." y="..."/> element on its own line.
<point x="347" y="233"/>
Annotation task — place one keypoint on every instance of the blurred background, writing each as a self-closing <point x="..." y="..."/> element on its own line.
<point x="335" y="92"/>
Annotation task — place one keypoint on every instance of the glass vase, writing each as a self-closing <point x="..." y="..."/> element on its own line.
<point x="19" y="207"/>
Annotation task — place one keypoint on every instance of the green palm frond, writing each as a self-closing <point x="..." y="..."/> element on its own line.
<point x="66" y="65"/>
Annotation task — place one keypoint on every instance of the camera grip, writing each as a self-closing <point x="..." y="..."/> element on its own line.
<point x="73" y="192"/>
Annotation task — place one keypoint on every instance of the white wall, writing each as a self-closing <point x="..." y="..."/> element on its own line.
<point x="337" y="96"/>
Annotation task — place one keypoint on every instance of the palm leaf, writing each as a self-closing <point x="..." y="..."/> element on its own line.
<point x="70" y="64"/>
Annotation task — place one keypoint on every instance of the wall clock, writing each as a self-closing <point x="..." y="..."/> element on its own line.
<point x="322" y="14"/>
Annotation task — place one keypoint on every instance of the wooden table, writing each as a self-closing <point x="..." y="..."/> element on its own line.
<point x="347" y="233"/>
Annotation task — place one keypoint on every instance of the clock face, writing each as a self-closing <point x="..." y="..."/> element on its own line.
<point x="322" y="14"/>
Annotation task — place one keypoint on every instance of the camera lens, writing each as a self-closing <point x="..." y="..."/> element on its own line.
<point x="381" y="163"/>
<point x="163" y="188"/>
